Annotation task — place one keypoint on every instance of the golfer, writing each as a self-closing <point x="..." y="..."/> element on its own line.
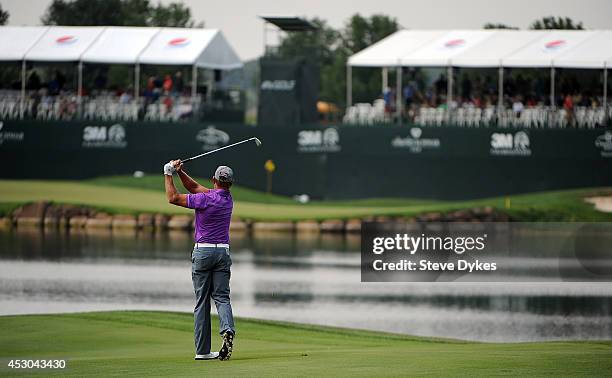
<point x="210" y="260"/>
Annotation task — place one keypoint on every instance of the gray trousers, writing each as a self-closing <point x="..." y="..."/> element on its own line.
<point x="210" y="273"/>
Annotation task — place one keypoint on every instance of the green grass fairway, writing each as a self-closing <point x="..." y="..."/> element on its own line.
<point x="160" y="344"/>
<point x="129" y="195"/>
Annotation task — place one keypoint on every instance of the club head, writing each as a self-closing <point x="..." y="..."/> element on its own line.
<point x="257" y="142"/>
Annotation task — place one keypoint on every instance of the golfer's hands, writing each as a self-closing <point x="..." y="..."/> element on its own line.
<point x="169" y="169"/>
<point x="177" y="164"/>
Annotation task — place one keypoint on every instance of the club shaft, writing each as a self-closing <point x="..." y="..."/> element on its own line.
<point x="218" y="149"/>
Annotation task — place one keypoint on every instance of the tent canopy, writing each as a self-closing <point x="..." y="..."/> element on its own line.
<point x="387" y="52"/>
<point x="15" y="41"/>
<point x="204" y="48"/>
<point x="119" y="45"/>
<point x="489" y="48"/>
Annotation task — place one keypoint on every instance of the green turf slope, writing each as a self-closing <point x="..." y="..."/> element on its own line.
<point x="160" y="344"/>
<point x="129" y="195"/>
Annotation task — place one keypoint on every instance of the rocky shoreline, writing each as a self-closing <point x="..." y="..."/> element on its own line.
<point x="47" y="214"/>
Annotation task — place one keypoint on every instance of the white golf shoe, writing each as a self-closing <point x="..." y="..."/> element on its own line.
<point x="209" y="356"/>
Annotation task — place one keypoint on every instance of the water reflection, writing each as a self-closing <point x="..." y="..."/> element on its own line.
<point x="304" y="278"/>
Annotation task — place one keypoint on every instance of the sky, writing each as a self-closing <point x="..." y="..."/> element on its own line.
<point x="239" y="22"/>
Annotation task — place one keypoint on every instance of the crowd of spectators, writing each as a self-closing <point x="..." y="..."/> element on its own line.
<point x="162" y="98"/>
<point x="572" y="107"/>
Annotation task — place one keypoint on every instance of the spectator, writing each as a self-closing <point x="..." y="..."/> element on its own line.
<point x="517" y="107"/>
<point x="167" y="85"/>
<point x="568" y="105"/>
<point x="125" y="97"/>
<point x="178" y="82"/>
<point x="33" y="82"/>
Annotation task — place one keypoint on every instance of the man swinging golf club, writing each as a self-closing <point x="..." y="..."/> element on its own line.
<point x="210" y="260"/>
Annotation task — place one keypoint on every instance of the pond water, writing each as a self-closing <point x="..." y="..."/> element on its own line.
<point x="299" y="278"/>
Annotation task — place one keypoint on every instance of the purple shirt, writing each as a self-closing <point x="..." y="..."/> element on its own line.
<point x="213" y="212"/>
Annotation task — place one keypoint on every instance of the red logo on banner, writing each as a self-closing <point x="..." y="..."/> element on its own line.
<point x="454" y="43"/>
<point x="179" y="42"/>
<point x="66" y="39"/>
<point x="553" y="45"/>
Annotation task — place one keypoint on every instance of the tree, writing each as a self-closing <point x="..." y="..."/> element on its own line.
<point x="4" y="16"/>
<point x="317" y="45"/>
<point x="331" y="48"/>
<point x="116" y="13"/>
<point x="359" y="33"/>
<point x="491" y="25"/>
<point x="173" y="15"/>
<point x="564" y="23"/>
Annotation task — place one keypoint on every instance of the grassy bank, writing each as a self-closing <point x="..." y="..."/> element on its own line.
<point x="160" y="344"/>
<point x="130" y="195"/>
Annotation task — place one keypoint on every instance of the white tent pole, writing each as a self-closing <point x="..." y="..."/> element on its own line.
<point x="552" y="95"/>
<point x="385" y="79"/>
<point x="500" y="91"/>
<point x="605" y="90"/>
<point x="398" y="94"/>
<point x="136" y="82"/>
<point x="23" y="89"/>
<point x="194" y="85"/>
<point x="449" y="93"/>
<point x="349" y="86"/>
<point x="80" y="87"/>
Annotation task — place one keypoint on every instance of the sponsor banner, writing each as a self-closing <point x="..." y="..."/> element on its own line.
<point x="277" y="85"/>
<point x="212" y="138"/>
<point x="415" y="142"/>
<point x="510" y="144"/>
<point x="486" y="252"/>
<point x="604" y="143"/>
<point x="327" y="140"/>
<point x="10" y="136"/>
<point x="104" y="136"/>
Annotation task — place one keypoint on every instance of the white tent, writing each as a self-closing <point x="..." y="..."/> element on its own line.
<point x="63" y="44"/>
<point x="592" y="53"/>
<point x="386" y="53"/>
<point x="15" y="41"/>
<point x="119" y="45"/>
<point x="204" y="48"/>
<point x="441" y="50"/>
<point x="198" y="48"/>
<point x="492" y="51"/>
<point x="487" y="48"/>
<point x="545" y="50"/>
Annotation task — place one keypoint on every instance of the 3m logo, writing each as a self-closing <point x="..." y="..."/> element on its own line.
<point x="327" y="140"/>
<point x="509" y="144"/>
<point x="104" y="136"/>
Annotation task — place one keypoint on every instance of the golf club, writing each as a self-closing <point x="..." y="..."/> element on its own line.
<point x="256" y="140"/>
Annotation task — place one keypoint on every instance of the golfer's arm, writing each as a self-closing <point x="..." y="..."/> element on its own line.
<point x="173" y="196"/>
<point x="190" y="184"/>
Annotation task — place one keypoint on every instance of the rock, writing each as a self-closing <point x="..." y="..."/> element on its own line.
<point x="29" y="221"/>
<point x="146" y="221"/>
<point x="238" y="226"/>
<point x="161" y="221"/>
<point x="273" y="226"/>
<point x="353" y="225"/>
<point x="332" y="226"/>
<point x="6" y="223"/>
<point x="307" y="226"/>
<point x="124" y="221"/>
<point x="99" y="221"/>
<point x="31" y="214"/>
<point x="180" y="222"/>
<point x="78" y="221"/>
